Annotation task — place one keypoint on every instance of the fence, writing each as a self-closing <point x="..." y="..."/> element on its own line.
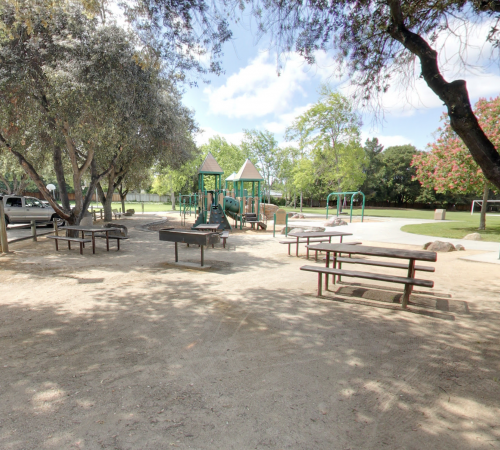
<point x="116" y="197"/>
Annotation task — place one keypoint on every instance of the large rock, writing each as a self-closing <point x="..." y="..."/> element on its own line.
<point x="268" y="210"/>
<point x="122" y="232"/>
<point x="302" y="229"/>
<point x="334" y="222"/>
<point x="473" y="237"/>
<point x="460" y="247"/>
<point x="440" y="246"/>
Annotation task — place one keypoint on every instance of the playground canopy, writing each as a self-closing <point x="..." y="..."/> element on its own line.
<point x="248" y="172"/>
<point x="210" y="166"/>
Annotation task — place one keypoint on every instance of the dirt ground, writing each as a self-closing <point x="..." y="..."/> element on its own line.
<point x="125" y="350"/>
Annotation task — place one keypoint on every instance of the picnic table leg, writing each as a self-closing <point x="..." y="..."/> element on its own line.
<point x="176" y="253"/>
<point x="334" y="265"/>
<point x="289" y="246"/>
<point x="297" y="249"/>
<point x="118" y="244"/>
<point x="307" y="257"/>
<point x="408" y="287"/>
<point x="201" y="255"/>
<point x="57" y="246"/>
<point x="320" y="282"/>
<point x="327" y="265"/>
<point x="81" y="248"/>
<point x="93" y="243"/>
<point x="107" y="241"/>
<point x="69" y="245"/>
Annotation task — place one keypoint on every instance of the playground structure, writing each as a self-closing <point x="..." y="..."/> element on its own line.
<point x="339" y="202"/>
<point x="214" y="204"/>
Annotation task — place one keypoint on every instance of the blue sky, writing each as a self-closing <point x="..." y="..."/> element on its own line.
<point x="251" y="95"/>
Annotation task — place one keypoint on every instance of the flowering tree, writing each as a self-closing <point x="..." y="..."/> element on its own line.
<point x="449" y="167"/>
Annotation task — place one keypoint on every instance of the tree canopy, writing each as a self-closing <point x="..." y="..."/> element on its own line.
<point x="377" y="41"/>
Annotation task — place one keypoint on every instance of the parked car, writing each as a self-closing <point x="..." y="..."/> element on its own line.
<point x="20" y="209"/>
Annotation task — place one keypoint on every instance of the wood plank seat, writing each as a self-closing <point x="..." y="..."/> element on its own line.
<point x="392" y="265"/>
<point x="118" y="238"/>
<point x="224" y="235"/>
<point x="365" y="275"/>
<point x="81" y="241"/>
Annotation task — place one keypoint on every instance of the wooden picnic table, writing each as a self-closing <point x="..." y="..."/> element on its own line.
<point x="92" y="230"/>
<point x="410" y="255"/>
<point x="316" y="234"/>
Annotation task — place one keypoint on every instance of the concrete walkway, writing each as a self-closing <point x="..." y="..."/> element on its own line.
<point x="389" y="230"/>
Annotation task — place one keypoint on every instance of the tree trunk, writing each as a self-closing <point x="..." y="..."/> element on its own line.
<point x="454" y="95"/>
<point x="122" y="199"/>
<point x="61" y="181"/>
<point x="484" y="206"/>
<point x="172" y="199"/>
<point x="300" y="201"/>
<point x="294" y="201"/>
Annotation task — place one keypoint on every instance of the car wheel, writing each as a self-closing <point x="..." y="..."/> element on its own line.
<point x="60" y="222"/>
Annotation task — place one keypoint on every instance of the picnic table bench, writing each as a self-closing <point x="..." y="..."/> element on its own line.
<point x="409" y="281"/>
<point x="81" y="241"/>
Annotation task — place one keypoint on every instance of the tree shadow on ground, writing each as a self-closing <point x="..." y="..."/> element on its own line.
<point x="166" y="362"/>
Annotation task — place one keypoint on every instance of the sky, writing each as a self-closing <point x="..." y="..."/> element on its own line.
<point x="251" y="95"/>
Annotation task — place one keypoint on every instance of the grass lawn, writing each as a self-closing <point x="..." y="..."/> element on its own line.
<point x="148" y="206"/>
<point x="466" y="224"/>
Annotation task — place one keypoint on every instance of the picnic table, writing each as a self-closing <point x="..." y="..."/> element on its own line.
<point x="93" y="230"/>
<point x="400" y="254"/>
<point x="316" y="234"/>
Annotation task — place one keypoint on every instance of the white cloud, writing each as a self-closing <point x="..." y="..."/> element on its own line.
<point x="206" y="133"/>
<point x="386" y="141"/>
<point x="285" y="120"/>
<point x="256" y="90"/>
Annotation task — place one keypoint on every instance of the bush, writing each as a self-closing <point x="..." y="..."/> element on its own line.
<point x="276" y="201"/>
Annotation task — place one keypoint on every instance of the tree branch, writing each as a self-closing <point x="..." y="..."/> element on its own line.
<point x="454" y="95"/>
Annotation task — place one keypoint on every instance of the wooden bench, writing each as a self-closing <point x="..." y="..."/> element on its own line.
<point x="224" y="235"/>
<point x="81" y="241"/>
<point x="112" y="236"/>
<point x="116" y="214"/>
<point x="301" y="241"/>
<point x="369" y="276"/>
<point x="390" y="264"/>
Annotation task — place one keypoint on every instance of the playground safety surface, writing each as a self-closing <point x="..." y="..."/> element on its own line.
<point x="127" y="351"/>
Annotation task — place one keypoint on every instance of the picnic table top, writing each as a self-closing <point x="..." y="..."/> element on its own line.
<point x="376" y="251"/>
<point x="184" y="231"/>
<point x="90" y="229"/>
<point x="211" y="226"/>
<point x="319" y="233"/>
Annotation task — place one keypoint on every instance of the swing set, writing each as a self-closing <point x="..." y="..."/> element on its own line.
<point x="339" y="202"/>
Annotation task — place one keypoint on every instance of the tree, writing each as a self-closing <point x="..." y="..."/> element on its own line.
<point x="81" y="94"/>
<point x="373" y="168"/>
<point x="13" y="179"/>
<point x="376" y="41"/>
<point x="399" y="176"/>
<point x="304" y="177"/>
<point x="449" y="167"/>
<point x="263" y="147"/>
<point x="330" y="131"/>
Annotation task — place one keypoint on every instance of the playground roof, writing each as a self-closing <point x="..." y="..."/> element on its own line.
<point x="248" y="172"/>
<point x="210" y="166"/>
<point x="231" y="177"/>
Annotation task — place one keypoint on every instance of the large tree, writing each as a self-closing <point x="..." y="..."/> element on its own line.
<point x="76" y="92"/>
<point x="376" y="41"/>
<point x="449" y="167"/>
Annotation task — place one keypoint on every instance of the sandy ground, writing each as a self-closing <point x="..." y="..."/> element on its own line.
<point x="125" y="350"/>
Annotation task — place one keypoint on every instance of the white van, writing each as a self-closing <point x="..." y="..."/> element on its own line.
<point x="19" y="209"/>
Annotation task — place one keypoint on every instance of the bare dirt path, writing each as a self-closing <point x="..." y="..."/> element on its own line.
<point x="124" y="350"/>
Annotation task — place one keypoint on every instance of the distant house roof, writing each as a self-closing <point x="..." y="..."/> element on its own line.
<point x="231" y="177"/>
<point x="210" y="166"/>
<point x="248" y="172"/>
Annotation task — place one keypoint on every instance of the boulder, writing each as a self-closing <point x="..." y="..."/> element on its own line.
<point x="473" y="237"/>
<point x="302" y="229"/>
<point x="334" y="222"/>
<point x="87" y="220"/>
<point x="440" y="246"/>
<point x="268" y="210"/>
<point x="122" y="232"/>
<point x="426" y="245"/>
<point x="460" y="247"/>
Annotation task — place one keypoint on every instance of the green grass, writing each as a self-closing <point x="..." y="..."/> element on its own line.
<point x="148" y="206"/>
<point x="457" y="230"/>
